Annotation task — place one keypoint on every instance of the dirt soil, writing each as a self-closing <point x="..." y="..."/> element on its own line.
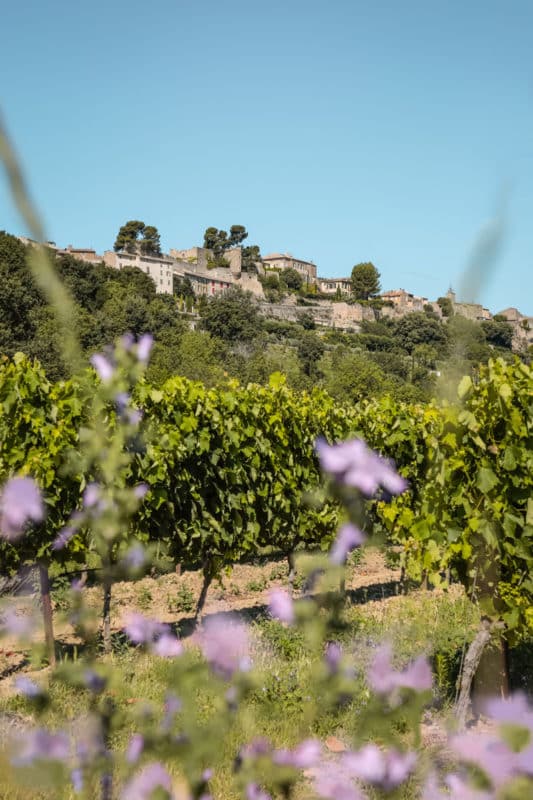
<point x="172" y="598"/>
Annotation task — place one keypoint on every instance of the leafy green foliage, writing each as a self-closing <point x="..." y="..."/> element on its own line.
<point x="365" y="281"/>
<point x="39" y="425"/>
<point x="470" y="506"/>
<point x="292" y="279"/>
<point x="232" y="316"/>
<point x="134" y="236"/>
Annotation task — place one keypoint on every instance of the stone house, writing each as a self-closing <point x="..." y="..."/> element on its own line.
<point x="282" y="261"/>
<point x="159" y="268"/>
<point x="332" y="285"/>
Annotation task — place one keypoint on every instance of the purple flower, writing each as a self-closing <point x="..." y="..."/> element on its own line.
<point x="27" y="687"/>
<point x="141" y="787"/>
<point x="514" y="710"/>
<point x="94" y="682"/>
<point x="348" y="537"/>
<point x="41" y="745"/>
<point x="225" y="645"/>
<point x="91" y="495"/>
<point x="76" y="776"/>
<point x="14" y="624"/>
<point x="281" y="606"/>
<point x="140" y="490"/>
<point x="332" y="783"/>
<point x="142" y="630"/>
<point x="64" y="536"/>
<point x="173" y="706"/>
<point x="458" y="789"/>
<point x="256" y="748"/>
<point x="167" y="646"/>
<point x="333" y="657"/>
<point x="135" y="557"/>
<point x="20" y="503"/>
<point x="384" y="769"/>
<point x="353" y="464"/>
<point x="303" y="756"/>
<point x="127" y="341"/>
<point x="254" y="792"/>
<point x="135" y="748"/>
<point x="144" y="346"/>
<point x="122" y="400"/>
<point x="491" y="755"/>
<point x="383" y="678"/>
<point x="134" y="416"/>
<point x="103" y="367"/>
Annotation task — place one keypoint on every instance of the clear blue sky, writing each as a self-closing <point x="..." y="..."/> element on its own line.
<point x="339" y="131"/>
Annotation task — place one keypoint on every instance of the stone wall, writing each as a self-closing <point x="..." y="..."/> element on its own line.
<point x="344" y="316"/>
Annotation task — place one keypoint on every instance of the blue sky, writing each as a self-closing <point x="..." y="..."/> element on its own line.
<point x="339" y="131"/>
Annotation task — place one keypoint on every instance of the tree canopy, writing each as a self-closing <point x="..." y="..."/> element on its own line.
<point x="232" y="316"/>
<point x="219" y="241"/>
<point x="134" y="236"/>
<point x="365" y="281"/>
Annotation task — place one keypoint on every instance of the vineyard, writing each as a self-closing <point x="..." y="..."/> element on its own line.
<point x="230" y="474"/>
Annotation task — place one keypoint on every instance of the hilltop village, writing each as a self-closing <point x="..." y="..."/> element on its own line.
<point x="329" y="301"/>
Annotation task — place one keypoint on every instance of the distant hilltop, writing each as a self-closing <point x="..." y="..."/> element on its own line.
<point x="208" y="277"/>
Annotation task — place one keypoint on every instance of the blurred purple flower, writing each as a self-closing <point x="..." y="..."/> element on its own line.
<point x="225" y="645"/>
<point x="135" y="748"/>
<point x="386" y="770"/>
<point x="135" y="558"/>
<point x="173" y="706"/>
<point x="259" y="746"/>
<point x="348" y="538"/>
<point x="333" y="657"/>
<point x="91" y="495"/>
<point x="143" y="785"/>
<point x="140" y="490"/>
<point x="144" y="347"/>
<point x="27" y="687"/>
<point x="456" y="788"/>
<point x="304" y="755"/>
<point x="41" y="745"/>
<point x="142" y="630"/>
<point x="103" y="367"/>
<point x="332" y="783"/>
<point x="488" y="753"/>
<point x="20" y="503"/>
<point x="94" y="682"/>
<point x="352" y="463"/>
<point x="76" y="777"/>
<point x="127" y="341"/>
<point x="281" y="606"/>
<point x="122" y="400"/>
<point x="254" y="792"/>
<point x="167" y="646"/>
<point x="17" y="625"/>
<point x="134" y="416"/>
<point x="64" y="536"/>
<point x="383" y="678"/>
<point x="514" y="710"/>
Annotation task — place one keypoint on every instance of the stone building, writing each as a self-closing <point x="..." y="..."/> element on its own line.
<point x="333" y="285"/>
<point x="522" y="327"/>
<point x="204" y="281"/>
<point x="193" y="264"/>
<point x="473" y="311"/>
<point x="159" y="268"/>
<point x="282" y="261"/>
<point x="403" y="301"/>
<point x="81" y="253"/>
